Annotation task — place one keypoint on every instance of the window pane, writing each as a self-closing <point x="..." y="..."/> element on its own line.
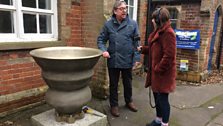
<point x="131" y="2"/>
<point x="29" y="22"/>
<point x="173" y="13"/>
<point x="6" y="2"/>
<point x="45" y="23"/>
<point x="131" y="12"/>
<point x="173" y="17"/>
<point x="29" y="3"/>
<point x="6" y="22"/>
<point x="45" y="4"/>
<point x="173" y="24"/>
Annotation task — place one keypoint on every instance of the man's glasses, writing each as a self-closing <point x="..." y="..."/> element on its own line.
<point x="122" y="8"/>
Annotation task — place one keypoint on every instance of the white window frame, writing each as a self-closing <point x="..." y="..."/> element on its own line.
<point x="178" y="9"/>
<point x="135" y="8"/>
<point x="19" y="34"/>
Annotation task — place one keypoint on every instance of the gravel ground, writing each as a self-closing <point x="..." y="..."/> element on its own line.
<point x="215" y="77"/>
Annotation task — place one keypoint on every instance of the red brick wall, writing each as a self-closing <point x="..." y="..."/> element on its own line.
<point x="198" y="15"/>
<point x="141" y="20"/>
<point x="73" y="19"/>
<point x="92" y="21"/>
<point x="190" y="20"/>
<point x="18" y="72"/>
<point x="205" y="27"/>
<point x="142" y="12"/>
<point x="15" y="104"/>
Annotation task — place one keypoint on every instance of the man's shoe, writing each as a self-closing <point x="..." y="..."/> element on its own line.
<point x="131" y="107"/>
<point x="115" y="112"/>
<point x="153" y="123"/>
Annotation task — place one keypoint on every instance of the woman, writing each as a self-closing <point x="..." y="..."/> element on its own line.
<point x="161" y="51"/>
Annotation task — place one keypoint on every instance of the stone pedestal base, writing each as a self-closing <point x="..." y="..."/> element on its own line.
<point x="48" y="119"/>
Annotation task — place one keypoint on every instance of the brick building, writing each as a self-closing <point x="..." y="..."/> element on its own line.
<point x="203" y="15"/>
<point x="27" y="25"/>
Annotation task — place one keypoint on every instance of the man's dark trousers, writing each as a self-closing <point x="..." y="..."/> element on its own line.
<point x="114" y="74"/>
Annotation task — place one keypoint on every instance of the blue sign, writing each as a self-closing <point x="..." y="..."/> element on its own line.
<point x="188" y="39"/>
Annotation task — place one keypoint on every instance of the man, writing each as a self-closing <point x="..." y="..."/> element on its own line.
<point x="121" y="54"/>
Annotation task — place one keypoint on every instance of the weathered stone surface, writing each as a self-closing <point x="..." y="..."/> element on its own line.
<point x="48" y="119"/>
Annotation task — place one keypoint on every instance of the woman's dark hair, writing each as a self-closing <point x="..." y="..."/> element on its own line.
<point x="161" y="16"/>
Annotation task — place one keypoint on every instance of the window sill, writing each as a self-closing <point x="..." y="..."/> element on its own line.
<point x="29" y="45"/>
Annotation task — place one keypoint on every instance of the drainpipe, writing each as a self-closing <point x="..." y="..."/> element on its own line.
<point x="220" y="51"/>
<point x="148" y="30"/>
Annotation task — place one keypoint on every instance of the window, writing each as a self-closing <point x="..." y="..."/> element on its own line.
<point x="173" y="17"/>
<point x="28" y="20"/>
<point x="132" y="8"/>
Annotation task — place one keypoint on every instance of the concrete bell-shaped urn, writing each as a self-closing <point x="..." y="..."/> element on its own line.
<point x="67" y="72"/>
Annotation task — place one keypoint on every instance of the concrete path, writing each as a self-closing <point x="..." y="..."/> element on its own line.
<point x="197" y="106"/>
<point x="190" y="106"/>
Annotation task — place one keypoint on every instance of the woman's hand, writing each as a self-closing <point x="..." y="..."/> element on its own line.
<point x="105" y="54"/>
<point x="136" y="65"/>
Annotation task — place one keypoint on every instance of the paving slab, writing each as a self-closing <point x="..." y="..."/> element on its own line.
<point x="194" y="96"/>
<point x="217" y="121"/>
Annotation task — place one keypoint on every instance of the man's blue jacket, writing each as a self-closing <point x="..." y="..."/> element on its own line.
<point x="122" y="47"/>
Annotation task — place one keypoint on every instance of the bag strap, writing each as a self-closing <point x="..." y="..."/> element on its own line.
<point x="150" y="98"/>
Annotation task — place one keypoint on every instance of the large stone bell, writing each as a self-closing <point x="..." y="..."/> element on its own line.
<point x="67" y="72"/>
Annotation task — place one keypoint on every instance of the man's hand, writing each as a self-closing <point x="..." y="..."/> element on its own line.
<point x="139" y="49"/>
<point x="105" y="54"/>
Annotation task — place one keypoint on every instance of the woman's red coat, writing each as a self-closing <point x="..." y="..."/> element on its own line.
<point x="161" y="51"/>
